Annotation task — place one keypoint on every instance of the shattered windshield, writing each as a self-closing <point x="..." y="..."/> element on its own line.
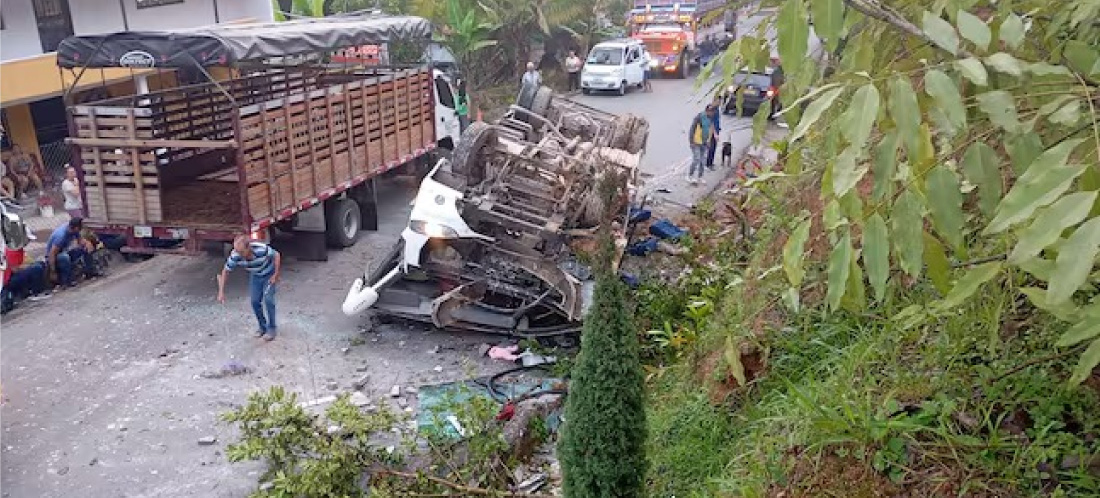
<point x="606" y="56"/>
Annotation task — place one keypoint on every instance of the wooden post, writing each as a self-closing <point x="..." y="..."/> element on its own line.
<point x="98" y="162"/>
<point x="135" y="160"/>
<point x="349" y="121"/>
<point x="366" y="125"/>
<point x="290" y="150"/>
<point x="332" y="140"/>
<point x="312" y="145"/>
<point x="267" y="163"/>
<point x="397" y="117"/>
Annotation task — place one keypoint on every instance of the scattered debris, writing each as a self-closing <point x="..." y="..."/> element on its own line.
<point x="671" y="249"/>
<point x="438" y="368"/>
<point x="332" y="385"/>
<point x="411" y="390"/>
<point x="318" y="402"/>
<point x="359" y="399"/>
<point x="207" y="440"/>
<point x="667" y="230"/>
<point x="532" y="484"/>
<point x="230" y="369"/>
<point x="508" y="353"/>
<point x="361" y="382"/>
<point x="395" y="391"/>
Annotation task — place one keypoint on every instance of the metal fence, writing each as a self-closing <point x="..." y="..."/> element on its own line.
<point x="55" y="155"/>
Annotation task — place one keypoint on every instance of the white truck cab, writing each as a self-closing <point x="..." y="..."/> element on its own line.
<point x="614" y="65"/>
<point x="447" y="127"/>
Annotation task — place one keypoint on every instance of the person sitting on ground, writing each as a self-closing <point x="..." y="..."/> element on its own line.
<point x="64" y="247"/>
<point x="25" y="170"/>
<point x="22" y="280"/>
<point x="7" y="185"/>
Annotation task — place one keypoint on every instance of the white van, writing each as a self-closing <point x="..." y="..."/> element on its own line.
<point x="614" y="65"/>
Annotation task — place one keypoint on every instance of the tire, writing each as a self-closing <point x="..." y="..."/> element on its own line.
<point x="622" y="89"/>
<point x="466" y="159"/>
<point x="540" y="102"/>
<point x="343" y="223"/>
<point x="526" y="95"/>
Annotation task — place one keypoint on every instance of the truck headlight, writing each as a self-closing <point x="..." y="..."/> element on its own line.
<point x="433" y="230"/>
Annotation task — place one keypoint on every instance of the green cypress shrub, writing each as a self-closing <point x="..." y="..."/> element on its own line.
<point x="602" y="448"/>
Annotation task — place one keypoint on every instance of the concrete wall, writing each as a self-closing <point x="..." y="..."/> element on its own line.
<point x="19" y="38"/>
<point x="20" y="33"/>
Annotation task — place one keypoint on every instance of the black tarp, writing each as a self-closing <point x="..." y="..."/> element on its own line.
<point x="228" y="44"/>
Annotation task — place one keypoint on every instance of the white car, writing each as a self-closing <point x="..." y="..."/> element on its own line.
<point x="614" y="65"/>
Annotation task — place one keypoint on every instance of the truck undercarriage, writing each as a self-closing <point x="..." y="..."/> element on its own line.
<point x="489" y="243"/>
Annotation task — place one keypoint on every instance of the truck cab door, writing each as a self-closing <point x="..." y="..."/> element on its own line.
<point x="634" y="70"/>
<point x="446" y="124"/>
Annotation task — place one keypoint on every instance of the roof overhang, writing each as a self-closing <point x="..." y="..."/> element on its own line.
<point x="225" y="45"/>
<point x="36" y="78"/>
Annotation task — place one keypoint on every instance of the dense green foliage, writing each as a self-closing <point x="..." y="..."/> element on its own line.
<point x="602" y="447"/>
<point x="981" y="130"/>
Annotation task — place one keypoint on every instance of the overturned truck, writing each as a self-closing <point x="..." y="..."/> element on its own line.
<point x="489" y="244"/>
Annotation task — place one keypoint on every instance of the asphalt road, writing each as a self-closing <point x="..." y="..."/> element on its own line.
<point x="669" y="108"/>
<point x="103" y="387"/>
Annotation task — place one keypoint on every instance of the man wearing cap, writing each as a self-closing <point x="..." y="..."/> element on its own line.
<point x="66" y="246"/>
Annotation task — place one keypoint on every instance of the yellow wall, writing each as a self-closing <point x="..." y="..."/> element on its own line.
<point x="20" y="127"/>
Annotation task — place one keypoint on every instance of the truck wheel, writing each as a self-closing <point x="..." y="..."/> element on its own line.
<point x="526" y="96"/>
<point x="466" y="159"/>
<point x="540" y="102"/>
<point x="342" y="223"/>
<point x="622" y="88"/>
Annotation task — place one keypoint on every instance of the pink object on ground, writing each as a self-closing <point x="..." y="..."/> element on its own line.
<point x="504" y="353"/>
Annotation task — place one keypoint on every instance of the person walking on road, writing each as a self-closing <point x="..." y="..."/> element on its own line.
<point x="573" y="68"/>
<point x="712" y="146"/>
<point x="263" y="264"/>
<point x="700" y="134"/>
<point x="647" y="71"/>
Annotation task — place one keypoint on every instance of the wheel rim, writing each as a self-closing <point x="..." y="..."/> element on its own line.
<point x="351" y="225"/>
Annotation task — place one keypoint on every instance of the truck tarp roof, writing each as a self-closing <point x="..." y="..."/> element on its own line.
<point x="223" y="45"/>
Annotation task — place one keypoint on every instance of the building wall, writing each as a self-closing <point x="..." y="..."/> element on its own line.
<point x="19" y="38"/>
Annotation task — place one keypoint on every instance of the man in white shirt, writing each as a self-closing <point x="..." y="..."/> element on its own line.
<point x="531" y="78"/>
<point x="573" y="68"/>
<point x="71" y="191"/>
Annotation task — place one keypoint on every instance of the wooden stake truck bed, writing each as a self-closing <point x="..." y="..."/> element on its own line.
<point x="191" y="161"/>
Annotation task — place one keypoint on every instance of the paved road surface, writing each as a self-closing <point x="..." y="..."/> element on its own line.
<point x="102" y="389"/>
<point x="669" y="107"/>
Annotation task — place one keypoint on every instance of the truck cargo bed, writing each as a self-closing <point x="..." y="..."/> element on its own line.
<point x="195" y="156"/>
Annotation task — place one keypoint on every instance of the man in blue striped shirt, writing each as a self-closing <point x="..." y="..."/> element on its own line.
<point x="263" y="264"/>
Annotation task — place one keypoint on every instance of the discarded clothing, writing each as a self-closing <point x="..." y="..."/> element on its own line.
<point x="509" y="353"/>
